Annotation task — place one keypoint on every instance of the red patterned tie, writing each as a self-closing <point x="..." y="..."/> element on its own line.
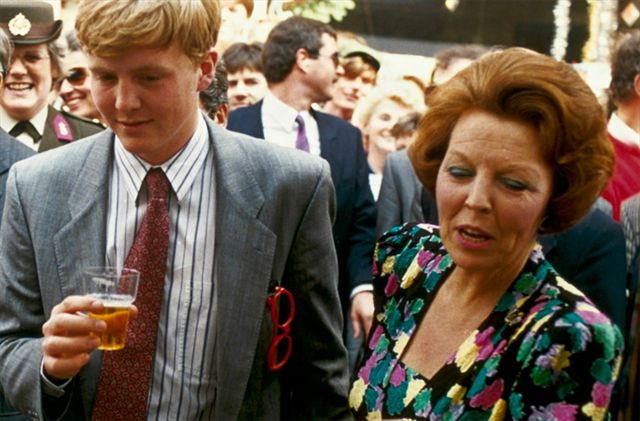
<point x="125" y="376"/>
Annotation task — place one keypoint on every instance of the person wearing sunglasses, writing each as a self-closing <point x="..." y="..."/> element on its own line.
<point x="75" y="85"/>
<point x="230" y="234"/>
<point x="34" y="66"/>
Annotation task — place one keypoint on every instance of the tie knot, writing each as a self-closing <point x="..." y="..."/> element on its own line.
<point x="300" y="122"/>
<point x="157" y="184"/>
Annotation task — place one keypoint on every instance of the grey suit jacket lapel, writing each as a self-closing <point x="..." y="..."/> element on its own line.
<point x="244" y="249"/>
<point x="82" y="241"/>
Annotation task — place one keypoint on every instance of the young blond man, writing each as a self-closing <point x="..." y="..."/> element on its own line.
<point x="237" y="225"/>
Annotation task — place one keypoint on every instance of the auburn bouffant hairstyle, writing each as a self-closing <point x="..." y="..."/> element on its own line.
<point x="535" y="89"/>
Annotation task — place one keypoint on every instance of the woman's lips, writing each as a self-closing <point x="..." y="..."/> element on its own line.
<point x="19" y="86"/>
<point x="473" y="237"/>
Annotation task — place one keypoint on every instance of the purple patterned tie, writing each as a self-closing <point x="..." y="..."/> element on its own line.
<point x="302" y="142"/>
<point x="125" y="375"/>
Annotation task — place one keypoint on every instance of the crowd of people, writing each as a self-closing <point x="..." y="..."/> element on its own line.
<point x="313" y="241"/>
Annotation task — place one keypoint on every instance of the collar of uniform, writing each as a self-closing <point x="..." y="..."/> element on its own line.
<point x="282" y="114"/>
<point x="181" y="169"/>
<point x="38" y="121"/>
<point x="622" y="132"/>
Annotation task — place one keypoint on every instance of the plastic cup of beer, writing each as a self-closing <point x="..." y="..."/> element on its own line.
<point x="116" y="288"/>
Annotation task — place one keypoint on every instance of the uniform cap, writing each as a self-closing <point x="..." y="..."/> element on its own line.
<point x="29" y="22"/>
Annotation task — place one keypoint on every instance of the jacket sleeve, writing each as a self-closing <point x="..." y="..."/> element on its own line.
<point x="21" y="312"/>
<point x="317" y="376"/>
<point x="389" y="204"/>
<point x="362" y="235"/>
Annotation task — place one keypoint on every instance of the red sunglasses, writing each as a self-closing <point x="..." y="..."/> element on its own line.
<point x="282" y="331"/>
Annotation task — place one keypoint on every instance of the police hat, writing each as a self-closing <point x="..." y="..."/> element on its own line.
<point x="29" y="22"/>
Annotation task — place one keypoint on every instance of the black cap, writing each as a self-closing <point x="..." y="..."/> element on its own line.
<point x="29" y="22"/>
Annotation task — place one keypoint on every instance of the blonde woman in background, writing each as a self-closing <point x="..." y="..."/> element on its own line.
<point x="376" y="115"/>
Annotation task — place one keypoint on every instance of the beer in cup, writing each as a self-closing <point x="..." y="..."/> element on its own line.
<point x="117" y="291"/>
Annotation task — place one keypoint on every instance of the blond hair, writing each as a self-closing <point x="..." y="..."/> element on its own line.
<point x="107" y="28"/>
<point x="403" y="92"/>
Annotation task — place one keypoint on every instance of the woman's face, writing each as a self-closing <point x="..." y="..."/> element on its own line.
<point x="492" y="191"/>
<point x="28" y="81"/>
<point x="378" y="129"/>
<point x="75" y="88"/>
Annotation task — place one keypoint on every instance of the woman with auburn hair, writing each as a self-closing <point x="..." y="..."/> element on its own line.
<point x="471" y="320"/>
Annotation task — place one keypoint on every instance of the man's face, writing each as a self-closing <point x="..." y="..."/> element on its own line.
<point x="149" y="97"/>
<point x="349" y="90"/>
<point x="246" y="87"/>
<point x="28" y="82"/>
<point x="322" y="74"/>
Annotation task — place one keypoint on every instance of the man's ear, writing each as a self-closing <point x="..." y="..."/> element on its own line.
<point x="207" y="67"/>
<point x="303" y="60"/>
<point x="222" y="115"/>
<point x="636" y="85"/>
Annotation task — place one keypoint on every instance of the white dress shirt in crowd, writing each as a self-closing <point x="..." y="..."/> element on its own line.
<point x="280" y="127"/>
<point x="621" y="131"/>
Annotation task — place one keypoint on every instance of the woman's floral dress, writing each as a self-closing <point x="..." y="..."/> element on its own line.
<point x="545" y="352"/>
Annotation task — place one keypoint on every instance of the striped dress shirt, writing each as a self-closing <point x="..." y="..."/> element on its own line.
<point x="183" y="385"/>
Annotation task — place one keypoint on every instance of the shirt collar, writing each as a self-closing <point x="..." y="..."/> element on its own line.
<point x="282" y="114"/>
<point x="38" y="121"/>
<point x="622" y="132"/>
<point x="181" y="169"/>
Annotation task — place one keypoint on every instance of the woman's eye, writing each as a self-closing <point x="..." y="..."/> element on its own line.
<point x="459" y="172"/>
<point x="514" y="184"/>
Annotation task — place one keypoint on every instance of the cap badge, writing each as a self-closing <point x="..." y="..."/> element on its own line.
<point x="19" y="25"/>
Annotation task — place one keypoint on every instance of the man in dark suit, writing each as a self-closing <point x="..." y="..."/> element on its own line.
<point x="226" y="230"/>
<point x="36" y="64"/>
<point x="299" y="60"/>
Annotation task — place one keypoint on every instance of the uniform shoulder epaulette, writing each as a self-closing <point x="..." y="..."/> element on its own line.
<point x="69" y="127"/>
<point x="71" y="116"/>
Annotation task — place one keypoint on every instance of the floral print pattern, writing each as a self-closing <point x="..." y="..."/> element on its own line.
<point x="545" y="352"/>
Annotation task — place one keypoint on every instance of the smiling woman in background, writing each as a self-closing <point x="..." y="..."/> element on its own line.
<point x="35" y="67"/>
<point x="376" y="115"/>
<point x="471" y="320"/>
<point x="75" y="85"/>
